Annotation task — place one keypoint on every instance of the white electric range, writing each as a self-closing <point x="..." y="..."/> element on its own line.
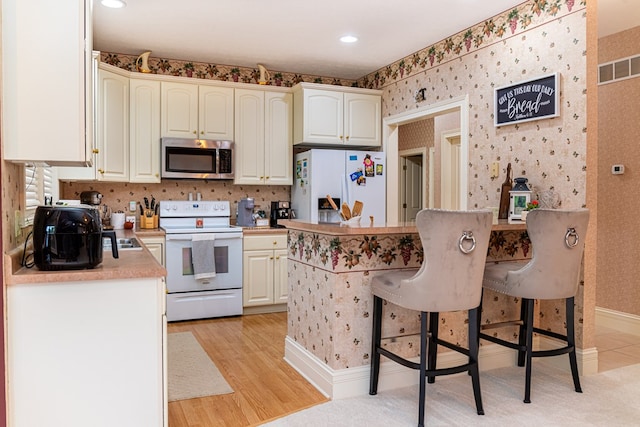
<point x="188" y="298"/>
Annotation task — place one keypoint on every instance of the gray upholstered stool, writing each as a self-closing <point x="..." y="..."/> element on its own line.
<point x="450" y="279"/>
<point x="557" y="239"/>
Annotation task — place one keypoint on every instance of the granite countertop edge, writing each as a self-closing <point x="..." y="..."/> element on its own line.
<point x="131" y="264"/>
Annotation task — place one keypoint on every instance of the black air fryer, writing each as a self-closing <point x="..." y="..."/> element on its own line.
<point x="69" y="238"/>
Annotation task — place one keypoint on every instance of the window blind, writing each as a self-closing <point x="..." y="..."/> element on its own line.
<point x="39" y="182"/>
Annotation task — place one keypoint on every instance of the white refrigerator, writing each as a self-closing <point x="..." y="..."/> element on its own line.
<point x="344" y="175"/>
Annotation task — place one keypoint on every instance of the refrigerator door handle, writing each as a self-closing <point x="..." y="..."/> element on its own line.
<point x="346" y="197"/>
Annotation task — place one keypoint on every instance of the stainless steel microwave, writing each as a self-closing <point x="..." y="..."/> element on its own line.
<point x="197" y="158"/>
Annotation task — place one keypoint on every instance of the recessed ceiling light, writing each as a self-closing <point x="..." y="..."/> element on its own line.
<point x="348" y="39"/>
<point x="116" y="4"/>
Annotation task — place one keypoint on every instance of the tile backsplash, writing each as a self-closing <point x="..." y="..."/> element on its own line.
<point x="117" y="195"/>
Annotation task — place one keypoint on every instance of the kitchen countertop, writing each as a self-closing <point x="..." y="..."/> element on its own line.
<point x="130" y="264"/>
<point x="262" y="230"/>
<point x="401" y="228"/>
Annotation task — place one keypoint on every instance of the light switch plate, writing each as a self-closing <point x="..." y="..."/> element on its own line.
<point x="495" y="169"/>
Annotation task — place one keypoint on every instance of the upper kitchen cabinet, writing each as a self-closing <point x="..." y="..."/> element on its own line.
<point x="337" y="116"/>
<point x="144" y="162"/>
<point x="197" y="111"/>
<point x="112" y="160"/>
<point x="263" y="129"/>
<point x="47" y="112"/>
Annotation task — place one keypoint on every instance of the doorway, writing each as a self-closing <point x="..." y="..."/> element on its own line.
<point x="412" y="179"/>
<point x="456" y="107"/>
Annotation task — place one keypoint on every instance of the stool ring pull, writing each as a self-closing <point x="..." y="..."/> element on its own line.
<point x="467" y="235"/>
<point x="571" y="239"/>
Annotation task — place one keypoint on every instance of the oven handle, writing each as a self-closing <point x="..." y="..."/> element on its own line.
<point x="187" y="237"/>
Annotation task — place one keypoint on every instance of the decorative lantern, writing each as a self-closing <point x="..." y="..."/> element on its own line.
<point x="519" y="196"/>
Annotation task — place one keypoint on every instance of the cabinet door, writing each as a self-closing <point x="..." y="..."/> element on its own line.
<point x="215" y="111"/>
<point x="113" y="127"/>
<point x="46" y="116"/>
<point x="280" y="277"/>
<point x="278" y="138"/>
<point x="257" y="279"/>
<point x="323" y="117"/>
<point x="362" y="120"/>
<point x="145" y="131"/>
<point x="249" y="132"/>
<point x="179" y="107"/>
<point x="157" y="250"/>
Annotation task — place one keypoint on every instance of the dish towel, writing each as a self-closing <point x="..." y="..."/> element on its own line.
<point x="203" y="256"/>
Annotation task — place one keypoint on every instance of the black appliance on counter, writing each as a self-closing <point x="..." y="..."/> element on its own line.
<point x="93" y="198"/>
<point x="279" y="210"/>
<point x="69" y="237"/>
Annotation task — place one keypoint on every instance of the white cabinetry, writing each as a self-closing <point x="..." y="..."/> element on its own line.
<point x="144" y="161"/>
<point x="264" y="267"/>
<point x="112" y="161"/>
<point x="196" y="111"/>
<point x="330" y="115"/>
<point x="263" y="130"/>
<point x="155" y="245"/>
<point x="95" y="350"/>
<point x="47" y="112"/>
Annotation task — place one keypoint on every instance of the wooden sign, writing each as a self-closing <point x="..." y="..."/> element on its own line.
<point x="529" y="100"/>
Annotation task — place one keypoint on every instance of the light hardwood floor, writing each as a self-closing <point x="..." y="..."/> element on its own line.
<point x="248" y="351"/>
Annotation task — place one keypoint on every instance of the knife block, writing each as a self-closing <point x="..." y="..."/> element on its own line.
<point x="148" y="221"/>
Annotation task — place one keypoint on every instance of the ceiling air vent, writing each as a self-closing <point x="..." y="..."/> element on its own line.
<point x="619" y="69"/>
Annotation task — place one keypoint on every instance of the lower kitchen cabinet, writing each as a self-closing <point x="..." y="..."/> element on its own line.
<point x="156" y="247"/>
<point x="264" y="267"/>
<point x="86" y="353"/>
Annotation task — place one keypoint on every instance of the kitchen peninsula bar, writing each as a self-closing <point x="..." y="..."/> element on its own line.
<point x="330" y="268"/>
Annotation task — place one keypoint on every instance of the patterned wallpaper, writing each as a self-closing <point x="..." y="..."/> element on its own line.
<point x="535" y="38"/>
<point x="201" y="70"/>
<point x="117" y="195"/>
<point x="416" y="135"/>
<point x="618" y="130"/>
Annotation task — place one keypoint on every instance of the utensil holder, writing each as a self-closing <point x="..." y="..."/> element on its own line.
<point x="149" y="221"/>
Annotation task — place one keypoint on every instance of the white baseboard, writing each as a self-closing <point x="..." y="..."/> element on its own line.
<point x="623" y="322"/>
<point x="343" y="383"/>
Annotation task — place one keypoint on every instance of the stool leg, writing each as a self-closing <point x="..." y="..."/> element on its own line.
<point x="432" y="348"/>
<point x="474" y="370"/>
<point x="529" y="344"/>
<point x="423" y="367"/>
<point x="571" y="341"/>
<point x="375" y="344"/>
<point x="522" y="331"/>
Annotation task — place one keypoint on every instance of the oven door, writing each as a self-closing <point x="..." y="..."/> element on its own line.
<point x="228" y="260"/>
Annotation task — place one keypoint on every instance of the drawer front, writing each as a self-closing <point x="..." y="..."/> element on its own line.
<point x="272" y="241"/>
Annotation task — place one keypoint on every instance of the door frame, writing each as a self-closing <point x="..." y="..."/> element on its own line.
<point x="446" y="152"/>
<point x="390" y="145"/>
<point x="422" y="152"/>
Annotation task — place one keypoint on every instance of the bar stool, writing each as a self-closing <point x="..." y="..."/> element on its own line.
<point x="450" y="279"/>
<point x="557" y="240"/>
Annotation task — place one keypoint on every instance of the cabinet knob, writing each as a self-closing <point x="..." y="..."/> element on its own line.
<point x="201" y="132"/>
<point x="157" y="175"/>
<point x="278" y="257"/>
<point x="195" y="132"/>
<point x="270" y="257"/>
<point x="101" y="170"/>
<point x="95" y="151"/>
<point x="341" y="137"/>
<point x="347" y="137"/>
<point x="275" y="242"/>
<point x="266" y="177"/>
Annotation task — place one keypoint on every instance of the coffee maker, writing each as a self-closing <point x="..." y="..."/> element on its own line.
<point x="279" y="210"/>
<point x="245" y="216"/>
